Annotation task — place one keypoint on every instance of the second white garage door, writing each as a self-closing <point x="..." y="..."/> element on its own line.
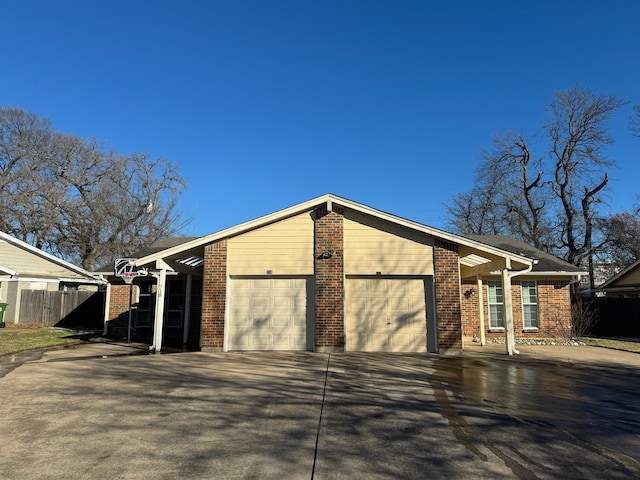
<point x="386" y="315"/>
<point x="268" y="314"/>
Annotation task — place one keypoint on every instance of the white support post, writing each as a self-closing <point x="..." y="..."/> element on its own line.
<point x="507" y="313"/>
<point x="158" y="324"/>
<point x="483" y="339"/>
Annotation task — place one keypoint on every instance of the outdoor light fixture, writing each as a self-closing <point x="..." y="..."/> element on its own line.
<point x="327" y="254"/>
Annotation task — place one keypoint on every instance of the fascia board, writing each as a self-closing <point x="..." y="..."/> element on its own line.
<point x="620" y="274"/>
<point x="434" y="231"/>
<point x="8" y="271"/>
<point x="554" y="274"/>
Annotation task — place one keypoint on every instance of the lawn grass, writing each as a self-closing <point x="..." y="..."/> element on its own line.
<point x="13" y="340"/>
<point x="627" y="346"/>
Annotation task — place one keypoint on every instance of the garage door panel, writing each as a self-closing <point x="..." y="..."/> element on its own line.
<point x="280" y="321"/>
<point x="244" y="321"/>
<point x="282" y="341"/>
<point x="377" y="304"/>
<point x="406" y="343"/>
<point x="300" y="320"/>
<point x="378" y="342"/>
<point x="260" y="322"/>
<point x="268" y="314"/>
<point x="386" y="314"/>
<point x="259" y="342"/>
<point x="375" y="323"/>
<point x="260" y="302"/>
<point x="398" y="304"/>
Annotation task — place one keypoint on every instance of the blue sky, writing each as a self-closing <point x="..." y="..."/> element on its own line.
<point x="266" y="104"/>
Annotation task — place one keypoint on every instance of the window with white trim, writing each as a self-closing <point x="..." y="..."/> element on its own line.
<point x="529" y="304"/>
<point x="496" y="305"/>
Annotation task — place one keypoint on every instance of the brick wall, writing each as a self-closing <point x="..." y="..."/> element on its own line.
<point x="555" y="316"/>
<point x="554" y="307"/>
<point x="214" y="294"/>
<point x="193" y="342"/>
<point x="469" y="304"/>
<point x="119" y="310"/>
<point x="447" y="287"/>
<point x="329" y="280"/>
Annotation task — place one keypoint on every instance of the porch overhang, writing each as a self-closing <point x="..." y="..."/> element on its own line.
<point x="476" y="262"/>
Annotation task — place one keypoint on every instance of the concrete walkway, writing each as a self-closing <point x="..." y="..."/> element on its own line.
<point x="582" y="354"/>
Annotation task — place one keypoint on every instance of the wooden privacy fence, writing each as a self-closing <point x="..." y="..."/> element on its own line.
<point x="70" y="308"/>
<point x="617" y="317"/>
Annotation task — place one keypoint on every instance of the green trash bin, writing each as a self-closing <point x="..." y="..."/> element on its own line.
<point x="3" y="307"/>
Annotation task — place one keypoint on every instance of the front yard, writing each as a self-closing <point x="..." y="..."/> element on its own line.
<point x="14" y="339"/>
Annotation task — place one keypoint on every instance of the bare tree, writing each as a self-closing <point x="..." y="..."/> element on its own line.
<point x="75" y="198"/>
<point x="550" y="200"/>
<point x="622" y="232"/>
<point x="508" y="196"/>
<point x="578" y="133"/>
<point x="24" y="137"/>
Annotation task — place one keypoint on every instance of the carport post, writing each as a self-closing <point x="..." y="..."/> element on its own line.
<point x="158" y="324"/>
<point x="483" y="340"/>
<point x="507" y="313"/>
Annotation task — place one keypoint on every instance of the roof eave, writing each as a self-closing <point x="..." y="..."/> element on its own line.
<point x="313" y="203"/>
<point x="47" y="256"/>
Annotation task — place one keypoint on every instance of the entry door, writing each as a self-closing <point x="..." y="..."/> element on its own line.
<point x="386" y="315"/>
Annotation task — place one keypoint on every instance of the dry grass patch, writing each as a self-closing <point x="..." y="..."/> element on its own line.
<point x="625" y="345"/>
<point x="13" y="340"/>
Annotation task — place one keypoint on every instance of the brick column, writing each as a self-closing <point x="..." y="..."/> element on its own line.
<point x="118" y="323"/>
<point x="447" y="286"/>
<point x="214" y="295"/>
<point x="329" y="280"/>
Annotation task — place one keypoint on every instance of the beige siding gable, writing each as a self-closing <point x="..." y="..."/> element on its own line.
<point x="630" y="279"/>
<point x="28" y="264"/>
<point x="283" y="248"/>
<point x="373" y="245"/>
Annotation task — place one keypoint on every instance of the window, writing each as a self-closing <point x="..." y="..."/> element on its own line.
<point x="496" y="305"/>
<point x="145" y="306"/>
<point x="529" y="304"/>
<point x="175" y="303"/>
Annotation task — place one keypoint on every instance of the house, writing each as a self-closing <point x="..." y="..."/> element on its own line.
<point x="540" y="296"/>
<point x="330" y="274"/>
<point x="624" y="284"/>
<point x="25" y="267"/>
<point x="617" y="305"/>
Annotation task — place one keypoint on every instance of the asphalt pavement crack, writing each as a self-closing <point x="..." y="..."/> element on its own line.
<point x="324" y="394"/>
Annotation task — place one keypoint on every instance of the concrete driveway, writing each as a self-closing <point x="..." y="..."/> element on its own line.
<point x="104" y="411"/>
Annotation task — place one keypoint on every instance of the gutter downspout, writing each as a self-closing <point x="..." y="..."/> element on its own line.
<point x="507" y="275"/>
<point x="483" y="339"/>
<point x="158" y="322"/>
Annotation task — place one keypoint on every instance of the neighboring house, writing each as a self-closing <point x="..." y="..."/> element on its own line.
<point x="617" y="305"/>
<point x="330" y="274"/>
<point x="624" y="284"/>
<point x="540" y="297"/>
<point x="24" y="267"/>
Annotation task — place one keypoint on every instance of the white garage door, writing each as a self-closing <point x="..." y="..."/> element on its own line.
<point x="268" y="314"/>
<point x="386" y="315"/>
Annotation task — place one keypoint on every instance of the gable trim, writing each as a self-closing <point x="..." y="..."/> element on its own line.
<point x="332" y="202"/>
<point x="47" y="256"/>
